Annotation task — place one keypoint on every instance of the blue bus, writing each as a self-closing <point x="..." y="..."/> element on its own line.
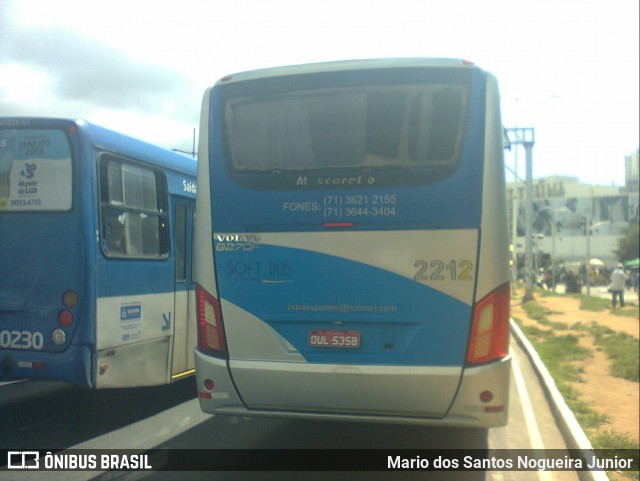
<point x="95" y="255"/>
<point x="351" y="246"/>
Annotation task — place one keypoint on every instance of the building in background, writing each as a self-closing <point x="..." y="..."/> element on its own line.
<point x="562" y="208"/>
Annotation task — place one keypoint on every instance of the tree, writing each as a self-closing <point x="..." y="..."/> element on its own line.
<point x="628" y="244"/>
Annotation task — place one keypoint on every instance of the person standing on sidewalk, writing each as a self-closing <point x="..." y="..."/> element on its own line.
<point x="618" y="281"/>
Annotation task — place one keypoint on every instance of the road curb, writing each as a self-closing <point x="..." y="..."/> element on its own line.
<point x="573" y="435"/>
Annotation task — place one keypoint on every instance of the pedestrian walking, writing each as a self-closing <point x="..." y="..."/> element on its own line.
<point x="618" y="282"/>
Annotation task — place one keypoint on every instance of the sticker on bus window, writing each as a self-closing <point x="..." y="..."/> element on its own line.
<point x="39" y="184"/>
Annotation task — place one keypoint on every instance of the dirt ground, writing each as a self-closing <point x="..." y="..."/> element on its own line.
<point x="615" y="397"/>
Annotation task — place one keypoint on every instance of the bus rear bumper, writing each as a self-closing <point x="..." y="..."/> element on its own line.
<point x="467" y="410"/>
<point x="483" y="396"/>
<point x="223" y="396"/>
<point x="72" y="366"/>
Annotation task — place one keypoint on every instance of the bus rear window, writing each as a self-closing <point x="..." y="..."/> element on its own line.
<point x="35" y="170"/>
<point x="392" y="127"/>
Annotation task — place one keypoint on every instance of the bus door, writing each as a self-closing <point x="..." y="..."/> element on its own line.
<point x="184" y="331"/>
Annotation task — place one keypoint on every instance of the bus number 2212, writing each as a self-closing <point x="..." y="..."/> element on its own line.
<point x="437" y="270"/>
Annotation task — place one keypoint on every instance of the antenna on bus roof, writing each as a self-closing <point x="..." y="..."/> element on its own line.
<point x="193" y="149"/>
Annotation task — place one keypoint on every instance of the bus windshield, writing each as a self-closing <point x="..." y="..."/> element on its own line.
<point x="395" y="126"/>
<point x="35" y="170"/>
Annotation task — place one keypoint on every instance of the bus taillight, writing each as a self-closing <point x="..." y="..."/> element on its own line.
<point x="70" y="299"/>
<point x="65" y="318"/>
<point x="210" y="329"/>
<point x="490" y="328"/>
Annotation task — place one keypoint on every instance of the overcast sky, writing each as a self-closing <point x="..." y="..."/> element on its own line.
<point x="568" y="68"/>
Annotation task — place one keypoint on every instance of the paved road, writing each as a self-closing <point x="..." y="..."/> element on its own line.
<point x="181" y="425"/>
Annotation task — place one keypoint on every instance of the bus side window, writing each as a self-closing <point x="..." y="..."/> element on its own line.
<point x="115" y="235"/>
<point x="133" y="201"/>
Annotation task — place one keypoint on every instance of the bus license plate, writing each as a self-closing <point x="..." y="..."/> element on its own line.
<point x="332" y="338"/>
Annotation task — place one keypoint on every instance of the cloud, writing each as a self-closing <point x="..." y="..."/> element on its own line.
<point x="86" y="73"/>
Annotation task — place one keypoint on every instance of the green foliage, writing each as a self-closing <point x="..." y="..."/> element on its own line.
<point x="629" y="244"/>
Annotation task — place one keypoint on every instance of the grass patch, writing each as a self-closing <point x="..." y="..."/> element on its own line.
<point x="533" y="332"/>
<point x="535" y="311"/>
<point x="578" y="326"/>
<point x="561" y="326"/>
<point x="561" y="355"/>
<point x="539" y="313"/>
<point x="588" y="418"/>
<point x="558" y="353"/>
<point x="594" y="304"/>
<point x="537" y="333"/>
<point x="598" y="331"/>
<point x="629" y="311"/>
<point x="622" y="349"/>
<point x="610" y="440"/>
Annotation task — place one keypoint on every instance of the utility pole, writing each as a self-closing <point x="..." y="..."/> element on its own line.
<point x="526" y="136"/>
<point x="588" y="229"/>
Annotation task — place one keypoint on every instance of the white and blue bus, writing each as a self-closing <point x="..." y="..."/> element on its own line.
<point x="351" y="246"/>
<point x="95" y="256"/>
